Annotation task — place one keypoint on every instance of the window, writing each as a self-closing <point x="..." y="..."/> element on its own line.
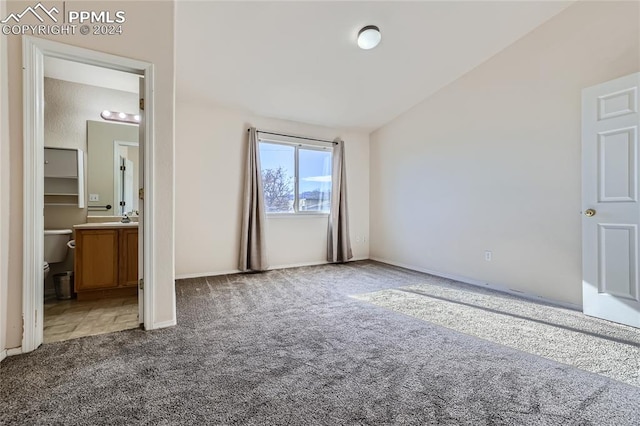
<point x="295" y="178"/>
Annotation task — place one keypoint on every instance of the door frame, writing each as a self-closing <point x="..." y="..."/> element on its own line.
<point x="34" y="50"/>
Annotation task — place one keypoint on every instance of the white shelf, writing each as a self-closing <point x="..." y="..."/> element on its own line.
<point x="64" y="177"/>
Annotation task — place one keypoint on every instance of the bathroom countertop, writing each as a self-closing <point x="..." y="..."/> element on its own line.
<point x="105" y="225"/>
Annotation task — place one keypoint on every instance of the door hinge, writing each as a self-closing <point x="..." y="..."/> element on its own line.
<point x="141" y="104"/>
<point x="141" y="193"/>
<point x="141" y="284"/>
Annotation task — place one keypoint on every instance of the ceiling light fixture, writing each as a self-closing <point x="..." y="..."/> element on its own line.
<point x="369" y="37"/>
<point x="120" y="117"/>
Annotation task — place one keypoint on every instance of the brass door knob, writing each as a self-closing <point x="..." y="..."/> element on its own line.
<point x="590" y="212"/>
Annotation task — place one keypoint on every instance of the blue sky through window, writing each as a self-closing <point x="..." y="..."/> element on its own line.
<point x="315" y="170"/>
<point x="274" y="155"/>
<point x="315" y="166"/>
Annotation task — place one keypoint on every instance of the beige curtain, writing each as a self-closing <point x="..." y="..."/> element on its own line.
<point x="253" y="252"/>
<point x="338" y="241"/>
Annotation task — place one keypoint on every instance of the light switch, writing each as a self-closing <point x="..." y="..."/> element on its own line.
<point x="94" y="197"/>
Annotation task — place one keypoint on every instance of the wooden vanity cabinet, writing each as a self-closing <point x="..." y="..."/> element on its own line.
<point x="106" y="262"/>
<point x="128" y="274"/>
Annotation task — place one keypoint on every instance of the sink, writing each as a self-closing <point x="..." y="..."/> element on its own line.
<point x="107" y="225"/>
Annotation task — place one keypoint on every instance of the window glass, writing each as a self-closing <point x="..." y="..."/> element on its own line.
<point x="314" y="191"/>
<point x="284" y="192"/>
<point x="278" y="177"/>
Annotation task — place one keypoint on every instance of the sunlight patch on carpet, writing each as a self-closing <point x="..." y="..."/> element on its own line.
<point x="555" y="333"/>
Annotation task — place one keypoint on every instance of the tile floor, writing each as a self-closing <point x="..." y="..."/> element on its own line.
<point x="70" y="319"/>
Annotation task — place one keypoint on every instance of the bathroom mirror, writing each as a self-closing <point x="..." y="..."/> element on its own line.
<point x="112" y="168"/>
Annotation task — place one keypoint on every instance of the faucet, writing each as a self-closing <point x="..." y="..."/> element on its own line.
<point x="125" y="218"/>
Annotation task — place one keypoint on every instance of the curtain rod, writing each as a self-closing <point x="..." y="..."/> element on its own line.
<point x="292" y="136"/>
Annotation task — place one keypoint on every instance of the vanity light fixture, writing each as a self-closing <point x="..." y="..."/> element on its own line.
<point x="121" y="117"/>
<point x="369" y="37"/>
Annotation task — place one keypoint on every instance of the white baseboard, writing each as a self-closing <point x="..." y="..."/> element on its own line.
<point x="484" y="284"/>
<point x="14" y="351"/>
<point x="163" y="324"/>
<point x="207" y="274"/>
<point x="298" y="265"/>
<point x="3" y="354"/>
<point x="237" y="271"/>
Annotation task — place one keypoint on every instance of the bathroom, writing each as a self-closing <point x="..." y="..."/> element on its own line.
<point x="91" y="205"/>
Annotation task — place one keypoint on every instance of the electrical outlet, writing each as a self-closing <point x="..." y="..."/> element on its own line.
<point x="487" y="255"/>
<point x="358" y="239"/>
<point x="94" y="197"/>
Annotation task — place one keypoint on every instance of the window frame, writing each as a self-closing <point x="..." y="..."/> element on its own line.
<point x="311" y="146"/>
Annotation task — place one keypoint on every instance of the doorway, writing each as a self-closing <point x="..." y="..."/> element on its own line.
<point x="90" y="285"/>
<point x="35" y="51"/>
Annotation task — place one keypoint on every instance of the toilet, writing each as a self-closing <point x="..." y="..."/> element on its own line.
<point x="46" y="270"/>
<point x="55" y="247"/>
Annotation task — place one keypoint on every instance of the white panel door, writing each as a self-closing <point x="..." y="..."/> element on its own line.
<point x="611" y="212"/>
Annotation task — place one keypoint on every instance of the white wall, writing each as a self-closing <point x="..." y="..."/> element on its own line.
<point x="148" y="35"/>
<point x="492" y="161"/>
<point x="210" y="157"/>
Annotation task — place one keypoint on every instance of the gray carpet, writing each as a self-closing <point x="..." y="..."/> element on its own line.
<point x="292" y="347"/>
<point x="557" y="333"/>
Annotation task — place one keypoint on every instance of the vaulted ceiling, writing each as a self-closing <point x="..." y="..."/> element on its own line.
<point x="299" y="60"/>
